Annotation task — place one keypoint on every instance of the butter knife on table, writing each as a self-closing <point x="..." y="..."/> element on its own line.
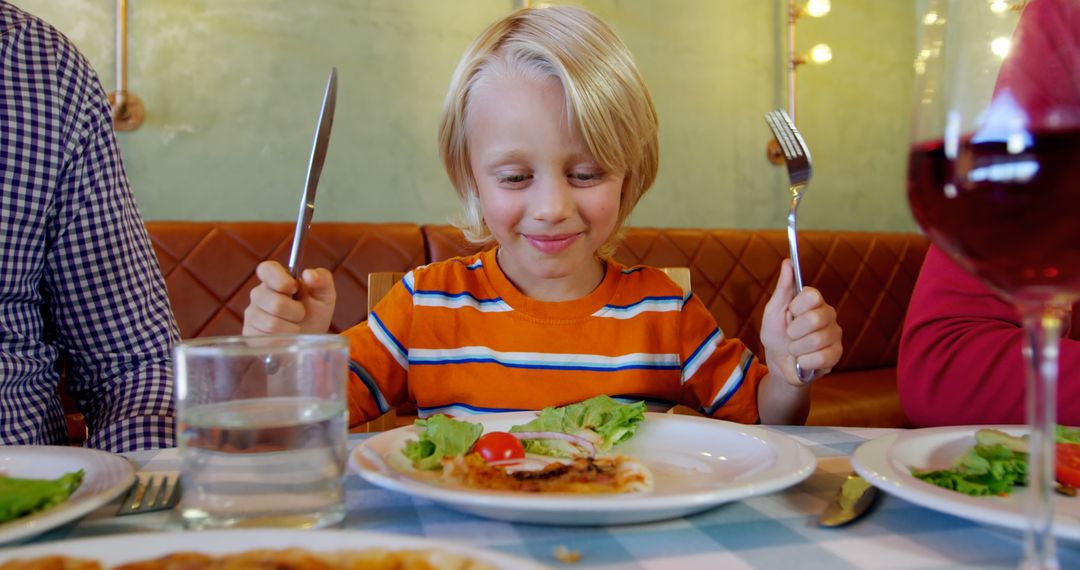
<point x="852" y="500"/>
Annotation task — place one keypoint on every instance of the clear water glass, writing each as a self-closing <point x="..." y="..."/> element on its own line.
<point x="262" y="423"/>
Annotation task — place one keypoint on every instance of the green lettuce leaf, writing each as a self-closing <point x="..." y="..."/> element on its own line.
<point x="601" y="420"/>
<point x="982" y="470"/>
<point x="21" y="497"/>
<point x="442" y="437"/>
<point x="996" y="463"/>
<point x="1067" y="435"/>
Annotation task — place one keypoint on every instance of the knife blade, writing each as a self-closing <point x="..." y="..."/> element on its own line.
<point x="852" y="500"/>
<point x="314" y="170"/>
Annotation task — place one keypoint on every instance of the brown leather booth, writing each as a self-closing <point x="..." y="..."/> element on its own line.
<point x="868" y="276"/>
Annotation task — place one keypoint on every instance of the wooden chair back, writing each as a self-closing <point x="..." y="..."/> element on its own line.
<point x="680" y="275"/>
<point x="379" y="284"/>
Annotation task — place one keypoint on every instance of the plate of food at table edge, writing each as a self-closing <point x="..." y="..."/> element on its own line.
<point x="261" y="548"/>
<point x="42" y="487"/>
<point x="974" y="472"/>
<point x="597" y="462"/>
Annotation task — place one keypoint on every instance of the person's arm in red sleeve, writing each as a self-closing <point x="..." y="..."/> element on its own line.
<point x="1043" y="68"/>
<point x="960" y="361"/>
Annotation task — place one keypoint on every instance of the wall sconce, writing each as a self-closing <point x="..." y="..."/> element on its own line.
<point x="1000" y="46"/>
<point x="128" y="110"/>
<point x="1002" y="6"/>
<point x="819" y="54"/>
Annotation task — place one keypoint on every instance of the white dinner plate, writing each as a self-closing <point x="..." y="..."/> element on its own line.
<point x="697" y="463"/>
<point x="106" y="476"/>
<point x="887" y="461"/>
<point x="121" y="549"/>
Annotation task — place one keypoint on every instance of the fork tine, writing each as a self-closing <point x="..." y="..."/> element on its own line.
<point x="782" y="129"/>
<point x="153" y="490"/>
<point x="150" y="493"/>
<point x="800" y="144"/>
<point x="174" y="497"/>
<point x="775" y="125"/>
<point x="134" y="497"/>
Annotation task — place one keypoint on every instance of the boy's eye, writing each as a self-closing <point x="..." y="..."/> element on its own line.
<point x="513" y="178"/>
<point x="586" y="177"/>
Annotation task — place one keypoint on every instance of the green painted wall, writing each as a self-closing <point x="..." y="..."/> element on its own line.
<point x="233" y="87"/>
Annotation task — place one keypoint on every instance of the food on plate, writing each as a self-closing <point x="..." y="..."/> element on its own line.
<point x="578" y="430"/>
<point x="610" y="474"/>
<point x="499" y="446"/>
<point x="50" y="563"/>
<point x="999" y="461"/>
<point x="565" y="555"/>
<point x="21" y="497"/>
<point x="284" y="559"/>
<point x="1067" y="467"/>
<point x="442" y="437"/>
<point x="561" y="451"/>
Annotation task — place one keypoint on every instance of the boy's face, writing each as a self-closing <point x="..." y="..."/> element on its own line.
<point x="547" y="201"/>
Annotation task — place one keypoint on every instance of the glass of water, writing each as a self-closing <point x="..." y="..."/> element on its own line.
<point x="262" y="424"/>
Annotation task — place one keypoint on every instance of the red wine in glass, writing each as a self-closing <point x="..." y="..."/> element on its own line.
<point x="1007" y="215"/>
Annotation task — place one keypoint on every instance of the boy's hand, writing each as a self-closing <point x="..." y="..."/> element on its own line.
<point x="799" y="328"/>
<point x="274" y="310"/>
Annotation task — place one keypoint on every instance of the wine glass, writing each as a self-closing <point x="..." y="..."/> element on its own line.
<point x="994" y="181"/>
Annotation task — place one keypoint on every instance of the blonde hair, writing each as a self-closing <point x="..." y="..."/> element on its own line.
<point x="606" y="98"/>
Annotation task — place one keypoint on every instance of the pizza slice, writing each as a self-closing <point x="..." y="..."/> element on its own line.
<point x="606" y="474"/>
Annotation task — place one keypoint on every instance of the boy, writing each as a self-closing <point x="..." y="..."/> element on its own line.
<point x="550" y="137"/>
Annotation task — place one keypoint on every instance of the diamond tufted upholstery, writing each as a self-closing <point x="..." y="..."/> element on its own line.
<point x="209" y="267"/>
<point x="209" y="271"/>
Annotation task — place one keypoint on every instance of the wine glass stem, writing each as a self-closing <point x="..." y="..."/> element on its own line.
<point x="1042" y="325"/>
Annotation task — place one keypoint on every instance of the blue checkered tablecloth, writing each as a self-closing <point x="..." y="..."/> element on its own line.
<point x="776" y="531"/>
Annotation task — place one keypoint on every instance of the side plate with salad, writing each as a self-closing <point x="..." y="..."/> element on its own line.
<point x="912" y="464"/>
<point x="104" y="477"/>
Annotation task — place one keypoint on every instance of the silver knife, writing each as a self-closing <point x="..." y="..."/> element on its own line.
<point x="314" y="169"/>
<point x="852" y="499"/>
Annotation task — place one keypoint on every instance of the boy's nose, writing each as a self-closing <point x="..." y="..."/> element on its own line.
<point x="555" y="201"/>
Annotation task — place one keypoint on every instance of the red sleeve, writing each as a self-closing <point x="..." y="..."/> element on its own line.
<point x="1043" y="67"/>
<point x="960" y="360"/>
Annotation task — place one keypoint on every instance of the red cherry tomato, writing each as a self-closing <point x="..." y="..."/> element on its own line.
<point x="499" y="446"/>
<point x="1068" y="464"/>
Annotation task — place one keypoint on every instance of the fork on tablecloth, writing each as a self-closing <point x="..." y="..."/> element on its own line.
<point x="151" y="493"/>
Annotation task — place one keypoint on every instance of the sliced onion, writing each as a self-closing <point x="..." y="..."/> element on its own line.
<point x="528" y="463"/>
<point x="582" y="442"/>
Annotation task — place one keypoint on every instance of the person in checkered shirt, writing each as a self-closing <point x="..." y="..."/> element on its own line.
<point x="81" y="294"/>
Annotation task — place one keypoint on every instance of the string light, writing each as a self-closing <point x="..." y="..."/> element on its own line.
<point x="1000" y="46"/>
<point x="817" y="8"/>
<point x="821" y="53"/>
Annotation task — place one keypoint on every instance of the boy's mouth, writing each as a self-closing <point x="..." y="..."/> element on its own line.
<point x="551" y="244"/>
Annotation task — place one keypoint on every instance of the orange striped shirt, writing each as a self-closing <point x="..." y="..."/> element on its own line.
<point x="457" y="337"/>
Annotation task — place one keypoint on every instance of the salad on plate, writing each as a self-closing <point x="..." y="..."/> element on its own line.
<point x="999" y="461"/>
<point x="564" y="449"/>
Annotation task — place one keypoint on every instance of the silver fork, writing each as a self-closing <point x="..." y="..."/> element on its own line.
<point x="150" y="494"/>
<point x="799" y="167"/>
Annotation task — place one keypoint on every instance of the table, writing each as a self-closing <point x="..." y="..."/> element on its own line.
<point x="777" y="531"/>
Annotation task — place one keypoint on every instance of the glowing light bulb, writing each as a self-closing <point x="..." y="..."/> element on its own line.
<point x="818" y="8"/>
<point x="821" y="53"/>
<point x="999" y="6"/>
<point x="1000" y="46"/>
<point x="930" y="18"/>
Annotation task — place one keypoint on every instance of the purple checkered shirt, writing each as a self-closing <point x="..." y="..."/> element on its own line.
<point x="80" y="288"/>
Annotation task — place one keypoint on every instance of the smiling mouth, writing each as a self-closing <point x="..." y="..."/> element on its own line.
<point x="552" y="244"/>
